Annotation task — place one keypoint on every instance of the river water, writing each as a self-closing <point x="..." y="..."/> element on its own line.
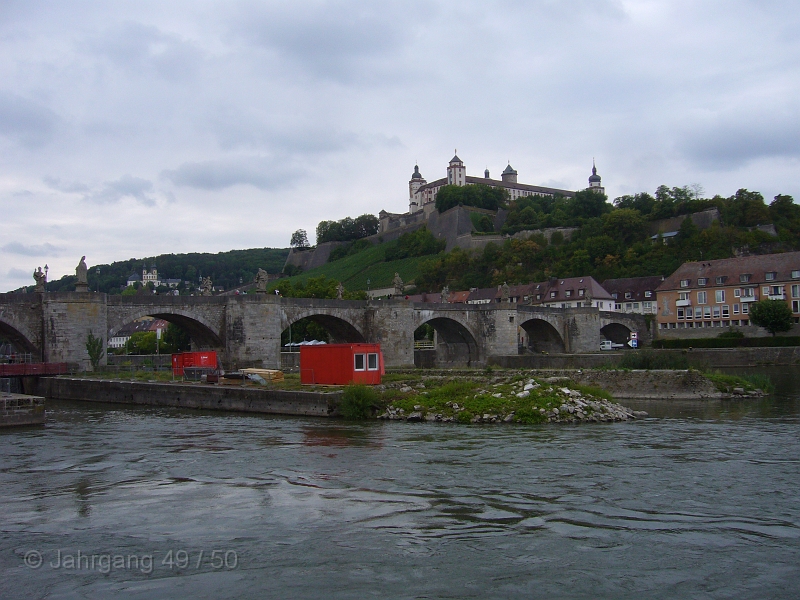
<point x="700" y="501"/>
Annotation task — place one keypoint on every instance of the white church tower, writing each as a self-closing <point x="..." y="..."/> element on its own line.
<point x="416" y="182"/>
<point x="456" y="171"/>
<point x="595" y="183"/>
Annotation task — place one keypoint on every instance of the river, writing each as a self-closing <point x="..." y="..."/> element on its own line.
<point x="700" y="501"/>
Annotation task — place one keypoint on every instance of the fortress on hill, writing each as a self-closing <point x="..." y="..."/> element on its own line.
<point x="455" y="225"/>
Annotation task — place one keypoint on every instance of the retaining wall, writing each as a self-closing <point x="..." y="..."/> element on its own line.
<point x="207" y="397"/>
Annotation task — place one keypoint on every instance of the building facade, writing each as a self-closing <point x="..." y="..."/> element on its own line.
<point x="422" y="195"/>
<point x="718" y="293"/>
<point x="634" y="294"/>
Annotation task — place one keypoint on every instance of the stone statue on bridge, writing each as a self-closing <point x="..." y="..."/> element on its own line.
<point x="206" y="286"/>
<point x="399" y="287"/>
<point x="445" y="295"/>
<point x="339" y="291"/>
<point x="504" y="292"/>
<point x="41" y="278"/>
<point x="81" y="273"/>
<point x="261" y="280"/>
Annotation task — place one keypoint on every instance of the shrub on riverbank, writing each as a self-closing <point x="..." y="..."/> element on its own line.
<point x="728" y="383"/>
<point x="358" y="402"/>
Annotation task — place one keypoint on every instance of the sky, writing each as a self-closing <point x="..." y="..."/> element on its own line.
<point x="131" y="129"/>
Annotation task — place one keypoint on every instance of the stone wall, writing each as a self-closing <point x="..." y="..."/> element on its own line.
<point x="203" y="396"/>
<point x="712" y="332"/>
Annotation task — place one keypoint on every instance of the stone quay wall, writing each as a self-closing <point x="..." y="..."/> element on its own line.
<point x="205" y="397"/>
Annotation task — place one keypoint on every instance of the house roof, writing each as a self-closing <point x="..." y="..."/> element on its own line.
<point x="458" y="297"/>
<point x="732" y="268"/>
<point x="479" y="294"/>
<point x="571" y="284"/>
<point x="636" y="286"/>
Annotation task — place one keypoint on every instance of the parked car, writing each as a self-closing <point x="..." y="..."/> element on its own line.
<point x="609" y="345"/>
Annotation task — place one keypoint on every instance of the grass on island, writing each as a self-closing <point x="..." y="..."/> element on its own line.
<point x="726" y="383"/>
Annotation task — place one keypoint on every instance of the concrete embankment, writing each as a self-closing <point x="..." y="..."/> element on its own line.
<point x="21" y="409"/>
<point x="700" y="358"/>
<point x="200" y="396"/>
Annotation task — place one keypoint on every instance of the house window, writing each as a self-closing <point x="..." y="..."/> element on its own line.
<point x="680" y="313"/>
<point x="725" y="311"/>
<point x="748" y="292"/>
<point x="614" y="295"/>
<point x="745" y="309"/>
<point x="628" y="306"/>
<point x="581" y="293"/>
<point x="685" y="282"/>
<point x="719" y="296"/>
<point x="765" y="290"/>
<point x="775" y="290"/>
<point x="795" y="306"/>
<point x="698" y="313"/>
<point x="706" y="312"/>
<point x="736" y="309"/>
<point x="372" y="361"/>
<point x="795" y="274"/>
<point x="627" y="295"/>
<point x="716" y="312"/>
<point x="552" y="294"/>
<point x="737" y="292"/>
<point x="721" y="279"/>
<point x="359" y="362"/>
<point x="648" y="294"/>
<point x="702" y="297"/>
<point x="688" y="313"/>
<point x="568" y="293"/>
<point x="796" y="291"/>
<point x="647" y="306"/>
<point x="635" y="306"/>
<point x="770" y="276"/>
<point x="702" y="280"/>
<point x="538" y="296"/>
<point x="685" y="295"/>
<point x="745" y="278"/>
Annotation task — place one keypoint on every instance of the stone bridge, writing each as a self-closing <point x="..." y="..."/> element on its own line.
<point x="246" y="330"/>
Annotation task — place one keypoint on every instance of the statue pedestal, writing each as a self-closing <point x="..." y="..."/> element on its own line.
<point x="81" y="287"/>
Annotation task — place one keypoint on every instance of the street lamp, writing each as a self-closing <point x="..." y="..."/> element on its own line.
<point x="98" y="278"/>
<point x="46" y="269"/>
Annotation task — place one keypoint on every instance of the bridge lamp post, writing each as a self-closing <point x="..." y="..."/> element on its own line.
<point x="97" y="269"/>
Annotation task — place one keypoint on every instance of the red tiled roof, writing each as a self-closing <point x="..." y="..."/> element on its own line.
<point x="732" y="268"/>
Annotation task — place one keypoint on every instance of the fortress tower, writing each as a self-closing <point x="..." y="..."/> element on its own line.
<point x="416" y="182"/>
<point x="595" y="183"/>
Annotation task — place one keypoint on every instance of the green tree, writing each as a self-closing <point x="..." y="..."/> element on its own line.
<point x="299" y="239"/>
<point x="175" y="339"/>
<point x="94" y="346"/>
<point x="773" y="315"/>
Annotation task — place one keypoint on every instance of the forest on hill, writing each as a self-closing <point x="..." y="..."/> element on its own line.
<point x="613" y="240"/>
<point x="226" y="269"/>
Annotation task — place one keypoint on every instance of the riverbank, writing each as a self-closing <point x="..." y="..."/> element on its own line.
<point x="188" y="395"/>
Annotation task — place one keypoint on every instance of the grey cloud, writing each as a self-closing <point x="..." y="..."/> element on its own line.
<point x="329" y="39"/>
<point x="25" y="121"/>
<point x="218" y="175"/>
<point x="45" y="249"/>
<point x="62" y="186"/>
<point x="14" y="273"/>
<point x="126" y="186"/>
<point x="145" y="48"/>
<point x="730" y="142"/>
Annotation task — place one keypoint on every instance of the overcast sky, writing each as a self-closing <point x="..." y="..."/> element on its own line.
<point x="130" y="129"/>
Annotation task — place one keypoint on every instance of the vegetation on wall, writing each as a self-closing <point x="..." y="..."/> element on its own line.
<point x="416" y="243"/>
<point x="479" y="196"/>
<point x="347" y="229"/>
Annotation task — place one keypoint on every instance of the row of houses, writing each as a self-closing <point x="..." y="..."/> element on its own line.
<point x="713" y="293"/>
<point x="145" y="325"/>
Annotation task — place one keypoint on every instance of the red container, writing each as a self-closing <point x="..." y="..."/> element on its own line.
<point x="340" y="364"/>
<point x="206" y="360"/>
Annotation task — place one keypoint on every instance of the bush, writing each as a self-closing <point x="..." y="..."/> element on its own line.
<point x="357" y="402"/>
<point x="731" y="334"/>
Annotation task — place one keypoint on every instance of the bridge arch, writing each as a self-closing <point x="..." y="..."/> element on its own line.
<point x="18" y="338"/>
<point x="455" y="344"/>
<point x="202" y="334"/>
<point x="341" y="330"/>
<point x="616" y="332"/>
<point x="542" y="336"/>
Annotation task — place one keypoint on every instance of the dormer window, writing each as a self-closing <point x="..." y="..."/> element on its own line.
<point x="685" y="283"/>
<point x="568" y="293"/>
<point x="721" y="279"/>
<point x="795" y="274"/>
<point x="770" y="275"/>
<point x="553" y="294"/>
<point x="744" y="278"/>
<point x="648" y="294"/>
<point x="628" y="295"/>
<point x="538" y="296"/>
<point x="614" y="295"/>
<point x="581" y="293"/>
<point x="701" y="281"/>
